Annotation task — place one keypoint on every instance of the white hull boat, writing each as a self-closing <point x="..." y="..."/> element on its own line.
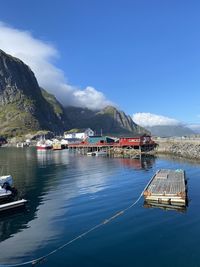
<point x="6" y="182"/>
<point x="101" y="153"/>
<point x="6" y="179"/>
<point x="97" y="153"/>
<point x="8" y="194"/>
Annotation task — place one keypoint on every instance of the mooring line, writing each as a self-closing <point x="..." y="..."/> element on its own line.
<point x="104" y="222"/>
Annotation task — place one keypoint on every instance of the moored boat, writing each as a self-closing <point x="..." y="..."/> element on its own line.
<point x="13" y="205"/>
<point x="7" y="191"/>
<point x="97" y="153"/>
<point x="43" y="145"/>
<point x="8" y="195"/>
<point x="57" y="146"/>
<point x="101" y="153"/>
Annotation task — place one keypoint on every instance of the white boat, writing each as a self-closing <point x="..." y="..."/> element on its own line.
<point x="6" y="186"/>
<point x="23" y="144"/>
<point x="91" y="154"/>
<point x="97" y="153"/>
<point x="101" y="153"/>
<point x="13" y="205"/>
<point x="44" y="145"/>
<point x="8" y="195"/>
<point x="6" y="179"/>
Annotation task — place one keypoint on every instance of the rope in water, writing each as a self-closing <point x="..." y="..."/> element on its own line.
<point x="104" y="222"/>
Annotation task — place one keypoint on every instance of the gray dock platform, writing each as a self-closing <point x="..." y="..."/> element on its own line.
<point x="167" y="186"/>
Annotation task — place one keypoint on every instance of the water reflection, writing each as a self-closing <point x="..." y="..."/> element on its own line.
<point x="36" y="177"/>
<point x="50" y="180"/>
<point x="144" y="162"/>
<point x="68" y="194"/>
<point x="167" y="207"/>
<point x="32" y="184"/>
<point x="50" y="157"/>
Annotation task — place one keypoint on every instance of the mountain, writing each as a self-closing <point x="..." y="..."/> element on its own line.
<point x="27" y="108"/>
<point x="169" y="130"/>
<point x="109" y="121"/>
<point x="22" y="106"/>
<point x="194" y="127"/>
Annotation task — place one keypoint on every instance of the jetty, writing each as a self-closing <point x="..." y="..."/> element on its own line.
<point x="167" y="187"/>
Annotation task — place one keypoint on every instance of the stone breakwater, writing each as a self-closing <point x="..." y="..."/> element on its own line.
<point x="182" y="148"/>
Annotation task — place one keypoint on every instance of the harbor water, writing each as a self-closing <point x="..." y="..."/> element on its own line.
<point x="69" y="194"/>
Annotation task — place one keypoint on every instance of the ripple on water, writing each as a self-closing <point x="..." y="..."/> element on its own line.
<point x="69" y="193"/>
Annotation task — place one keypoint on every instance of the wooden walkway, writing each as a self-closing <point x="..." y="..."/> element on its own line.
<point x="167" y="186"/>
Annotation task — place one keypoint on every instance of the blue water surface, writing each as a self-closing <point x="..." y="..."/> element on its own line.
<point x="69" y="193"/>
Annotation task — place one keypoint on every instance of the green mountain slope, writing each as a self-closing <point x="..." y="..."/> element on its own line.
<point x="26" y="108"/>
<point x="22" y="107"/>
<point x="109" y="120"/>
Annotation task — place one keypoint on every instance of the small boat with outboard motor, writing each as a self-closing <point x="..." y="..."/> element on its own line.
<point x="8" y="194"/>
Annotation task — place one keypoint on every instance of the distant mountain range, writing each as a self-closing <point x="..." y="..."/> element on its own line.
<point x="27" y="108"/>
<point x="170" y="130"/>
<point x="194" y="127"/>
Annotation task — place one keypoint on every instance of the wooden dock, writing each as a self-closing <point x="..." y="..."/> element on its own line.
<point x="167" y="187"/>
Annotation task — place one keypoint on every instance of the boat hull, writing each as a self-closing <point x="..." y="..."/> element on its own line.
<point x="43" y="147"/>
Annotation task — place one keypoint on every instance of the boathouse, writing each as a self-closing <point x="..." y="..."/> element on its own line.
<point x="99" y="140"/>
<point x="137" y="142"/>
<point x="142" y="143"/>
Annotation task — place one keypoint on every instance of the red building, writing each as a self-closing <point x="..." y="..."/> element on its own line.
<point x="137" y="142"/>
<point x="143" y="142"/>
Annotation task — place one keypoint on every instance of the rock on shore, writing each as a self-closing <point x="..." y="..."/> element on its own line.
<point x="183" y="148"/>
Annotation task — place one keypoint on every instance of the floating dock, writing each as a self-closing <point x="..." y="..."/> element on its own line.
<point x="167" y="187"/>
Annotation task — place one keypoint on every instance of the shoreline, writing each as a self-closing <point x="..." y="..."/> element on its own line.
<point x="188" y="149"/>
<point x="184" y="149"/>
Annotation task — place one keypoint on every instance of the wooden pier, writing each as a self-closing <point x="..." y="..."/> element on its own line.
<point x="167" y="187"/>
<point x="112" y="145"/>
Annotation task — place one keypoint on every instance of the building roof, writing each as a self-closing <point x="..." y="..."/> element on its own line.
<point x="72" y="139"/>
<point x="98" y="138"/>
<point x="77" y="130"/>
<point x="135" y="136"/>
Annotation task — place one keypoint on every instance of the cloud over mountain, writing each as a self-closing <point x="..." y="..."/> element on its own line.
<point x="161" y="126"/>
<point x="195" y="127"/>
<point x="40" y="56"/>
<point x="149" y="120"/>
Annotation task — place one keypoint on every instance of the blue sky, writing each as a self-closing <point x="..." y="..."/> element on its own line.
<point x="142" y="55"/>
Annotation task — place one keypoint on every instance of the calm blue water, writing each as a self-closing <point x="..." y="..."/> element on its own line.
<point x="70" y="193"/>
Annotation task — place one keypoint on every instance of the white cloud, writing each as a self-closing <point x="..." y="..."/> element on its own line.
<point x="195" y="127"/>
<point x="40" y="55"/>
<point x="149" y="119"/>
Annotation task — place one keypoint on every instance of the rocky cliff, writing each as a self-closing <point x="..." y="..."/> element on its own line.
<point x="107" y="121"/>
<point x="22" y="106"/>
<point x="25" y="107"/>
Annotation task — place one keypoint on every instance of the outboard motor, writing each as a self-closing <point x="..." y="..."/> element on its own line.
<point x="7" y="187"/>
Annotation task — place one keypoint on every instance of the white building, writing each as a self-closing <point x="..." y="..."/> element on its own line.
<point x="79" y="134"/>
<point x="69" y="141"/>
